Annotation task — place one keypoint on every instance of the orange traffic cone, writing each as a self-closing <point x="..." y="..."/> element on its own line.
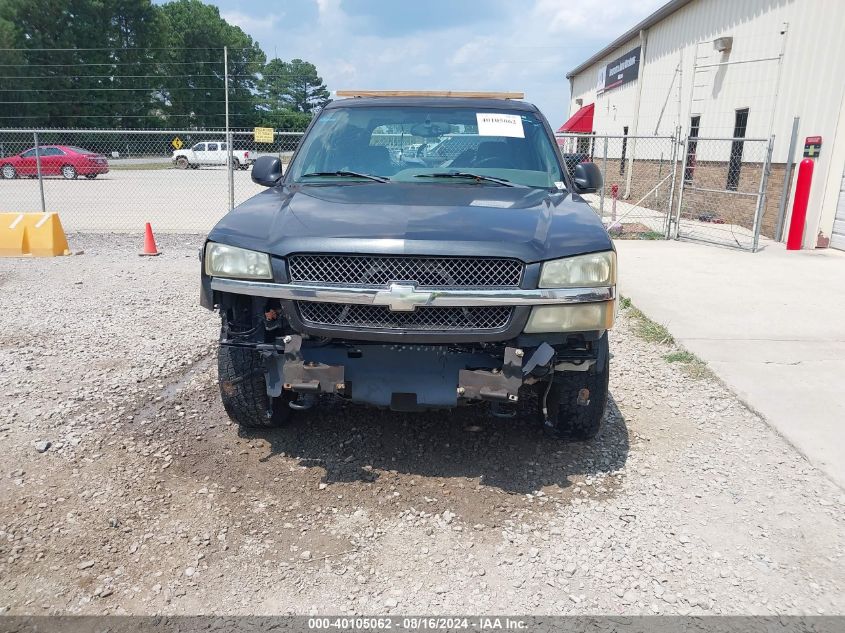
<point x="150" y="248"/>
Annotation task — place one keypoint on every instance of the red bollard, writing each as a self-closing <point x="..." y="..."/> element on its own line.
<point x="799" y="206"/>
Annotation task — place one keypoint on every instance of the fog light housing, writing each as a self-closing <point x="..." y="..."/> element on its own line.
<point x="580" y="317"/>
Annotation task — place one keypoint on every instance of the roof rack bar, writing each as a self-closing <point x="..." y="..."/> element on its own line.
<point x="430" y="93"/>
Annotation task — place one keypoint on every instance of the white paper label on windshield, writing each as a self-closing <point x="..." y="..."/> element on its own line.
<point x="492" y="124"/>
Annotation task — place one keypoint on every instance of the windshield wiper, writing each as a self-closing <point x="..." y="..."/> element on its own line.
<point x="465" y="174"/>
<point x="346" y="174"/>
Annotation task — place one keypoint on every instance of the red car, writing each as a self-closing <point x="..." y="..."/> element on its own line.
<point x="56" y="160"/>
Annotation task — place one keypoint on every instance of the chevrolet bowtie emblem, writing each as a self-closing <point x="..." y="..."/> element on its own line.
<point x="402" y="298"/>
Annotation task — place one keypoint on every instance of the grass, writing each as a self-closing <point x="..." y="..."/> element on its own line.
<point x="654" y="332"/>
<point x="647" y="329"/>
<point x="691" y="364"/>
<point x="651" y="235"/>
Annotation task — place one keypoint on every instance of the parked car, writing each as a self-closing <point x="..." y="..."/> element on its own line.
<point x="210" y="153"/>
<point x="56" y="160"/>
<point x="412" y="286"/>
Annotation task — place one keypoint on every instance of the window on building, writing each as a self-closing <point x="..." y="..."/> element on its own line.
<point x="692" y="147"/>
<point x="584" y="144"/>
<point x="624" y="150"/>
<point x="735" y="163"/>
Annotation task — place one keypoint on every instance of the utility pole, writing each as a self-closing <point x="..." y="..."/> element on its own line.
<point x="229" y="161"/>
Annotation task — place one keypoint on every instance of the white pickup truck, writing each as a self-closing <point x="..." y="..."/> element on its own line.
<point x="210" y="153"/>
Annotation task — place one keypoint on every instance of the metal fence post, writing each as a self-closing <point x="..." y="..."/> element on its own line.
<point x="681" y="193"/>
<point x="38" y="167"/>
<point x="787" y="177"/>
<point x="603" y="177"/>
<point x="676" y="143"/>
<point x="230" y="168"/>
<point x="761" y="195"/>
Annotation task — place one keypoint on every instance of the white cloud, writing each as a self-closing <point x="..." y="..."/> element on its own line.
<point x="252" y="25"/>
<point x="528" y="49"/>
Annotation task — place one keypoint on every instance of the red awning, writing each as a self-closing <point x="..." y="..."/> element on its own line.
<point x="581" y="122"/>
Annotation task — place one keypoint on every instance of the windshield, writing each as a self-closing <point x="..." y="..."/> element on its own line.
<point x="425" y="145"/>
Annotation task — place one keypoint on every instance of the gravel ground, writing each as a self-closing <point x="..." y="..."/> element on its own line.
<point x="124" y="488"/>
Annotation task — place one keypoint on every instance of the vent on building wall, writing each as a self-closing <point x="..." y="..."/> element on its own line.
<point x="723" y="44"/>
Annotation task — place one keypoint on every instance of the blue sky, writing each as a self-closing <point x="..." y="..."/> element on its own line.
<point x="525" y="45"/>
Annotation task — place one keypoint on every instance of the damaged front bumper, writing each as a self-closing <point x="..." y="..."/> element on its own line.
<point x="413" y="377"/>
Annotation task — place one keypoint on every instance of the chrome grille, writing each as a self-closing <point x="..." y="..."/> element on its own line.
<point x="425" y="318"/>
<point x="426" y="272"/>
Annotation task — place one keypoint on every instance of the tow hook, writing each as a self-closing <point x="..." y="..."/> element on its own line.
<point x="303" y="402"/>
<point x="502" y="410"/>
<point x="583" y="398"/>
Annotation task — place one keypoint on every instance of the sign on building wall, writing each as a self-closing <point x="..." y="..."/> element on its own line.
<point x="620" y="71"/>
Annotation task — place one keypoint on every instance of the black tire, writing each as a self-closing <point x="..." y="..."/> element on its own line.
<point x="182" y="163"/>
<point x="8" y="172"/>
<point x="90" y="176"/>
<point x="569" y="419"/>
<point x="240" y="373"/>
<point x="68" y="172"/>
<point x="236" y="164"/>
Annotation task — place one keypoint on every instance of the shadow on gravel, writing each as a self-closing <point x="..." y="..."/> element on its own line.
<point x="353" y="443"/>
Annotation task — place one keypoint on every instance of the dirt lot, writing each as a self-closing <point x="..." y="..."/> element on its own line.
<point x="148" y="501"/>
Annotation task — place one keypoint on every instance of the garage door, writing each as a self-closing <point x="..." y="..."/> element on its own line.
<point x="837" y="240"/>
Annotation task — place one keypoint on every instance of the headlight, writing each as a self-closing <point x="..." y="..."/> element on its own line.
<point x="230" y="261"/>
<point x="581" y="271"/>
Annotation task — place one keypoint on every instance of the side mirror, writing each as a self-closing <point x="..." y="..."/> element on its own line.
<point x="587" y="178"/>
<point x="267" y="171"/>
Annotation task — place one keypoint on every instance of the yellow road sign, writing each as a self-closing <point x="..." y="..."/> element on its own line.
<point x="176" y="143"/>
<point x="263" y="134"/>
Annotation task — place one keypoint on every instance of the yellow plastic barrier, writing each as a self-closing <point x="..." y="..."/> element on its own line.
<point x="32" y="235"/>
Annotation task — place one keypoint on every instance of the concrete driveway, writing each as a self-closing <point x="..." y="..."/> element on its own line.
<point x="771" y="325"/>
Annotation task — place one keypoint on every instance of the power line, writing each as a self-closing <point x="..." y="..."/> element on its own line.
<point x="153" y="89"/>
<point x="110" y="76"/>
<point x="164" y="62"/>
<point x="139" y="103"/>
<point x="131" y="48"/>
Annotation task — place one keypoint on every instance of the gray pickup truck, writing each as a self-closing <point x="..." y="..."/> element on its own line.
<point x="365" y="273"/>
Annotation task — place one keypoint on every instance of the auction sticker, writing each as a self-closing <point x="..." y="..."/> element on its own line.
<point x="492" y="124"/>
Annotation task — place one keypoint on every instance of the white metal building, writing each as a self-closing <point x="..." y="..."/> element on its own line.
<point x="727" y="68"/>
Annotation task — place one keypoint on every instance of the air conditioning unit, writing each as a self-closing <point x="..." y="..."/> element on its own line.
<point x="723" y="44"/>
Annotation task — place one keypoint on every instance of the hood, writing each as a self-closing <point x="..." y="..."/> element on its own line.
<point x="415" y="219"/>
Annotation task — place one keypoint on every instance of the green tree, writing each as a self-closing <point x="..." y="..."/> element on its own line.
<point x="193" y="82"/>
<point x="293" y="85"/>
<point x="80" y="62"/>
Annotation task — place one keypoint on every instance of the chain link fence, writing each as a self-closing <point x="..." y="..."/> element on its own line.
<point x="640" y="178"/>
<point x="655" y="187"/>
<point x="116" y="180"/>
<point x="723" y="193"/>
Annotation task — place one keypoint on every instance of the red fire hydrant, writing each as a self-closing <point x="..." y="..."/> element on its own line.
<point x="799" y="206"/>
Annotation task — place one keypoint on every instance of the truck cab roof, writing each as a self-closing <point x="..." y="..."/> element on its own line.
<point x="466" y="102"/>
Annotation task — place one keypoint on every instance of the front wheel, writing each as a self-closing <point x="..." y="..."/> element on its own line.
<point x="576" y="400"/>
<point x="240" y="373"/>
<point x="69" y="172"/>
<point x="182" y="163"/>
<point x="9" y="172"/>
